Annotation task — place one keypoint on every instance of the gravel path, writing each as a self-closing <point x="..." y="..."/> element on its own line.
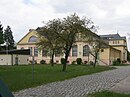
<point x="79" y="86"/>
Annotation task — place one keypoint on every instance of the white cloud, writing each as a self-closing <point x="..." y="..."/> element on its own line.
<point x="22" y="15"/>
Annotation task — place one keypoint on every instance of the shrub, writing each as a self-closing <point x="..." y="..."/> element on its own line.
<point x="85" y="62"/>
<point x="42" y="62"/>
<point x="119" y="60"/>
<point x="124" y="61"/>
<point x="79" y="61"/>
<point x="91" y="63"/>
<point x="62" y="60"/>
<point x="73" y="62"/>
<point x="115" y="63"/>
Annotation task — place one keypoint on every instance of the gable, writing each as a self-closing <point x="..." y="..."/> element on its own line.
<point x="26" y="38"/>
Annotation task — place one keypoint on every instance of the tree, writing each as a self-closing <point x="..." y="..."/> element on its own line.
<point x="65" y="33"/>
<point x="48" y="39"/>
<point x="128" y="56"/>
<point x="8" y="38"/>
<point x="72" y="28"/>
<point x="1" y="35"/>
<point x="96" y="44"/>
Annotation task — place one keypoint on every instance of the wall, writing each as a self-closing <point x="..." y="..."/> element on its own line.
<point x="114" y="54"/>
<point x="5" y="59"/>
<point x="22" y="59"/>
<point x="104" y="56"/>
<point x="11" y="59"/>
<point x="123" y="52"/>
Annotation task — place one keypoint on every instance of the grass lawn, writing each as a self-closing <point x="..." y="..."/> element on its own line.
<point x="20" y="77"/>
<point x="109" y="94"/>
<point x="122" y="65"/>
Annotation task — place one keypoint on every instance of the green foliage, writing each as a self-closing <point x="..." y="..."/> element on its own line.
<point x="73" y="62"/>
<point x="62" y="60"/>
<point x="79" y="61"/>
<point x="115" y="63"/>
<point x="20" y="77"/>
<point x="42" y="62"/>
<point x="8" y="38"/>
<point x="1" y="35"/>
<point x="128" y="56"/>
<point x="91" y="63"/>
<point x="62" y="33"/>
<point x="119" y="60"/>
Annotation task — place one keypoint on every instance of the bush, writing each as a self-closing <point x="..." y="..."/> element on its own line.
<point x="115" y="63"/>
<point x="91" y="63"/>
<point x="119" y="60"/>
<point x="42" y="62"/>
<point x="73" y="62"/>
<point x="62" y="60"/>
<point x="79" y="61"/>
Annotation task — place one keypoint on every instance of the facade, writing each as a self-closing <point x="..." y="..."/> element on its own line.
<point x="79" y="50"/>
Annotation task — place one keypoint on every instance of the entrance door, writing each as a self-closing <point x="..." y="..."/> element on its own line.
<point x="16" y="60"/>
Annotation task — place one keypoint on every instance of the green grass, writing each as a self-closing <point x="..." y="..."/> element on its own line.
<point x="109" y="94"/>
<point x="122" y="65"/>
<point x="20" y="77"/>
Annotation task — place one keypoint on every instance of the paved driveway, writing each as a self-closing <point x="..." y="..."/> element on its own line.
<point x="79" y="86"/>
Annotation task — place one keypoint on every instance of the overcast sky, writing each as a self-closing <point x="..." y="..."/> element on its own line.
<point x="111" y="16"/>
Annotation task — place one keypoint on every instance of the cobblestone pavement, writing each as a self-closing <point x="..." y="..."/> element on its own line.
<point x="79" y="86"/>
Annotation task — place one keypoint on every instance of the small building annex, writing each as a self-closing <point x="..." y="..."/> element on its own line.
<point x="14" y="57"/>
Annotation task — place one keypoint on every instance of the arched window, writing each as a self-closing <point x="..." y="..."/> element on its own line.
<point x="74" y="50"/>
<point x="32" y="39"/>
<point x="86" y="50"/>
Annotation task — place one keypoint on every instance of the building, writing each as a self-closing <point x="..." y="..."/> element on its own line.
<point x="117" y="42"/>
<point x="80" y="49"/>
<point x="14" y="57"/>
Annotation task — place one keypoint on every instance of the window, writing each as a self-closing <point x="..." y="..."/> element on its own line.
<point x="30" y="51"/>
<point x="36" y="51"/>
<point x="86" y="50"/>
<point x="102" y="50"/>
<point x="58" y="52"/>
<point x="32" y="39"/>
<point x="44" y="52"/>
<point x="113" y="42"/>
<point x="74" y="50"/>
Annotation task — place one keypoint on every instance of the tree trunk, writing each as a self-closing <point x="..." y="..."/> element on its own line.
<point x="66" y="58"/>
<point x="95" y="60"/>
<point x="52" y="59"/>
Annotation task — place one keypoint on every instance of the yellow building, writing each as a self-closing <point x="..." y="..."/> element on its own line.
<point x="80" y="49"/>
<point x="117" y="42"/>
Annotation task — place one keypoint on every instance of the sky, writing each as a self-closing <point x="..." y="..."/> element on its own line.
<point x="112" y="16"/>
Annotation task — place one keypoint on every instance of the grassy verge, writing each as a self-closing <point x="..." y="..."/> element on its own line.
<point x="20" y="77"/>
<point x="109" y="94"/>
<point x="122" y="65"/>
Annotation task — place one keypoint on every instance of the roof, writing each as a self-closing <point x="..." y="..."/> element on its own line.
<point x="21" y="52"/>
<point x="113" y="37"/>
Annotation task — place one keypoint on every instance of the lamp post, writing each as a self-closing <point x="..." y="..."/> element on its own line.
<point x="33" y="68"/>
